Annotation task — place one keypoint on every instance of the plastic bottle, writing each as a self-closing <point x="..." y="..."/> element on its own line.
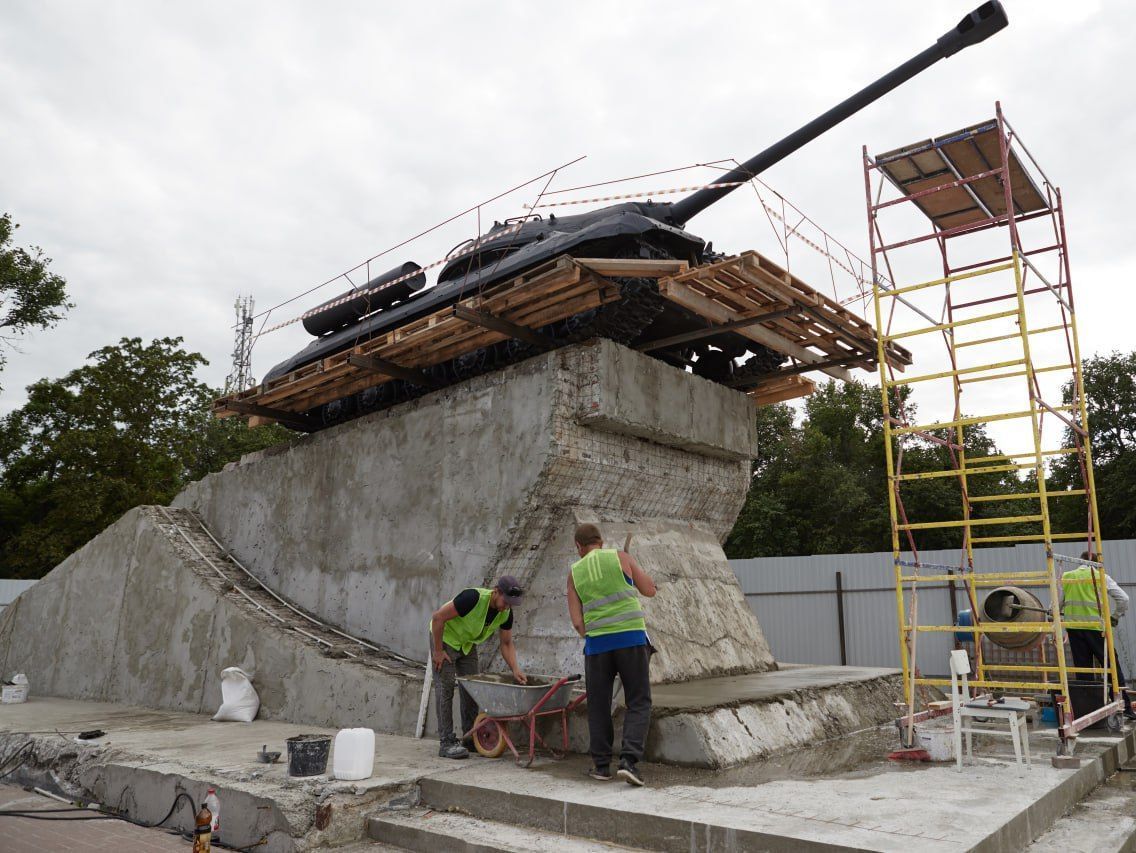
<point x="214" y="805"/>
<point x="202" y="834"/>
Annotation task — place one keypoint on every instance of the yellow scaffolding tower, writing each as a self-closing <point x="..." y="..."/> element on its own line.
<point x="1003" y="320"/>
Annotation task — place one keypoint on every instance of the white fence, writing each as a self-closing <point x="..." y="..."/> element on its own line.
<point x="9" y="589"/>
<point x="800" y="610"/>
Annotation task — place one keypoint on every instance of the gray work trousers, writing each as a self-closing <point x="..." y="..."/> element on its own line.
<point x="444" y="684"/>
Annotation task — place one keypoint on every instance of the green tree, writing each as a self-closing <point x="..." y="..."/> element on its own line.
<point x="129" y="427"/>
<point x="1110" y="397"/>
<point x="31" y="297"/>
<point x="821" y="488"/>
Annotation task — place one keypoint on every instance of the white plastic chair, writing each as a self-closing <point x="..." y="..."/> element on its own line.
<point x="962" y="706"/>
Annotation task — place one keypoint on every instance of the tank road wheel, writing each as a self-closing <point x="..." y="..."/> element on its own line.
<point x="487" y="739"/>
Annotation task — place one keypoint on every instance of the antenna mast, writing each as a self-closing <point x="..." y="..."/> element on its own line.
<point x="240" y="377"/>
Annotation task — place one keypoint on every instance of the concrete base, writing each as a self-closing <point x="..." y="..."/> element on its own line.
<point x="720" y="722"/>
<point x="371" y="525"/>
<point x="147" y="757"/>
<point x="837" y="795"/>
<point x="136" y="616"/>
<point x="872" y="806"/>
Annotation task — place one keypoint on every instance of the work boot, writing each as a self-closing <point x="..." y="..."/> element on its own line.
<point x="1129" y="714"/>
<point x="629" y="773"/>
<point x="452" y="749"/>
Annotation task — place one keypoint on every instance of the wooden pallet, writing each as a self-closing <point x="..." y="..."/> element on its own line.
<point x="546" y="294"/>
<point x="815" y="331"/>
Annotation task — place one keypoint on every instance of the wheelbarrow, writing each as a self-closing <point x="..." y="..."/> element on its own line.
<point x="503" y="702"/>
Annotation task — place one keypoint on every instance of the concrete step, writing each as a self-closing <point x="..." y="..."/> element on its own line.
<point x="431" y="831"/>
<point x="1100" y="823"/>
<point x="993" y="807"/>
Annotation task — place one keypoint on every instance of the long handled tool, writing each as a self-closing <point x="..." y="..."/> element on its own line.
<point x="427" y="683"/>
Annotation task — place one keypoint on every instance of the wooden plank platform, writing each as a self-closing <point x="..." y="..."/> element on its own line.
<point x="802" y="324"/>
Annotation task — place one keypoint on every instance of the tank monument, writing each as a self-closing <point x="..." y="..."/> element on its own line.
<point x="601" y="367"/>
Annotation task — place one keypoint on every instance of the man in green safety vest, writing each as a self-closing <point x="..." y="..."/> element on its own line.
<point x="456" y="629"/>
<point x="1081" y="602"/>
<point x="605" y="611"/>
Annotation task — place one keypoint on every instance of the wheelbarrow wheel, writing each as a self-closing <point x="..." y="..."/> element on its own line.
<point x="488" y="739"/>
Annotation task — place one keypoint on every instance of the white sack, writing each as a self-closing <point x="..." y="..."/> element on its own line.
<point x="239" y="702"/>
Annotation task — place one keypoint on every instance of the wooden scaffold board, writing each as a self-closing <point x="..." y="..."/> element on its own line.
<point x="748" y="293"/>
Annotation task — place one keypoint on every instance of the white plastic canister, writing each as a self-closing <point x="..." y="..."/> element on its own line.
<point x="354" y="755"/>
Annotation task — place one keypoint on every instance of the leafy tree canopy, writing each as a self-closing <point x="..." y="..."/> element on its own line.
<point x="31" y="297"/>
<point x="1110" y="397"/>
<point x="129" y="427"/>
<point x="821" y="487"/>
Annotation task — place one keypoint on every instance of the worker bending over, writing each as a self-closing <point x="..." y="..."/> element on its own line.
<point x="457" y="628"/>
<point x="605" y="611"/>
<point x="1080" y="603"/>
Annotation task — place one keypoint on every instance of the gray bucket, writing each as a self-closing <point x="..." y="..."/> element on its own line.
<point x="307" y="754"/>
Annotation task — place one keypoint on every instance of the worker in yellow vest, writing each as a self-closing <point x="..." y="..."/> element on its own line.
<point x="457" y="628"/>
<point x="604" y="606"/>
<point x="1080" y="602"/>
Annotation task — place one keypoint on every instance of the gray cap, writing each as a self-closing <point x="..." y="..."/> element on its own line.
<point x="511" y="589"/>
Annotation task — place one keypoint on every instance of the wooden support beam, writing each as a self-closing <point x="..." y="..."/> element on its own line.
<point x="851" y="360"/>
<point x="711" y="310"/>
<point x="633" y="267"/>
<point x="295" y="420"/>
<point x="712" y="330"/>
<point x="780" y="390"/>
<point x="499" y="324"/>
<point x="389" y="368"/>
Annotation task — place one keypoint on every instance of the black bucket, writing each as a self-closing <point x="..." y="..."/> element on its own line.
<point x="307" y="754"/>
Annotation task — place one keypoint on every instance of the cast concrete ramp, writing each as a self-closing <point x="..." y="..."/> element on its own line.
<point x="150" y="611"/>
<point x="372" y="524"/>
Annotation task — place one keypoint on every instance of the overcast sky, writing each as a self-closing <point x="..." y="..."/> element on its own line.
<point x="170" y="156"/>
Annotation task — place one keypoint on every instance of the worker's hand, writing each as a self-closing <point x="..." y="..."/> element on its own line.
<point x="440" y="657"/>
<point x="520" y="677"/>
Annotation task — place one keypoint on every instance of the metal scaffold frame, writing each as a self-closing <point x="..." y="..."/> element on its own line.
<point x="975" y="186"/>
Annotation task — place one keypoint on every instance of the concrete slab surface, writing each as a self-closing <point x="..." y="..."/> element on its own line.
<point x="1103" y="822"/>
<point x="837" y="794"/>
<point x="148" y="757"/>
<point x="430" y="831"/>
<point x="862" y="805"/>
<point x="759" y="686"/>
<point x="219" y="750"/>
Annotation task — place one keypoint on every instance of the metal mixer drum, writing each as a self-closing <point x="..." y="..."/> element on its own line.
<point x="1013" y="604"/>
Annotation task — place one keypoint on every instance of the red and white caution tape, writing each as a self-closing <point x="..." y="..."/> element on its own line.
<point x="625" y="196"/>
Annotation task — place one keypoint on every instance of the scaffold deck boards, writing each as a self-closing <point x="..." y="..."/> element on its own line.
<point x="924" y="166"/>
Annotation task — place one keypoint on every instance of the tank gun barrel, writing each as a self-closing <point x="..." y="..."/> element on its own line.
<point x="977" y="26"/>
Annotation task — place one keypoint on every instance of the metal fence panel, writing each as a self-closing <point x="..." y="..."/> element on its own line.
<point x="795" y="601"/>
<point x="10" y="588"/>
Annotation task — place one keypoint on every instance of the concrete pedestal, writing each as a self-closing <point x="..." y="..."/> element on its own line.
<point x="373" y="524"/>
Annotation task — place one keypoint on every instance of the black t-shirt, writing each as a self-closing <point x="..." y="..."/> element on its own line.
<point x="467" y="599"/>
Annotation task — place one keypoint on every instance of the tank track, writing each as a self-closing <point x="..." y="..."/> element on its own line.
<point x="621" y="321"/>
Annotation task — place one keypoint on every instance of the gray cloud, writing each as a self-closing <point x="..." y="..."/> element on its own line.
<point x="169" y="157"/>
